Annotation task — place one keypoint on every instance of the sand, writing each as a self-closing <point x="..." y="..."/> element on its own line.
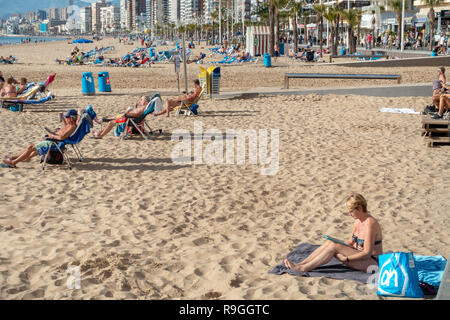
<point x="140" y="226"/>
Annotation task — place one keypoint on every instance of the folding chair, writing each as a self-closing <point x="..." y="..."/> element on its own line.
<point x="138" y="124"/>
<point x="83" y="128"/>
<point x="185" y="107"/>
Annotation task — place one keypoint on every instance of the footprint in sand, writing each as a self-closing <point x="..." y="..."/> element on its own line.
<point x="212" y="295"/>
<point x="236" y="282"/>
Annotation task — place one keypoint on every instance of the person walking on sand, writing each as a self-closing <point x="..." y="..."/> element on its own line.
<point x="363" y="246"/>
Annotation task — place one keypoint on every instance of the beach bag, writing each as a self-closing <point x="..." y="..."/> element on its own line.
<point x="194" y="108"/>
<point x="398" y="276"/>
<point x="54" y="157"/>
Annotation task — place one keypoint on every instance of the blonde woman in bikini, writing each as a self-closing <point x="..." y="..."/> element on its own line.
<point x="363" y="246"/>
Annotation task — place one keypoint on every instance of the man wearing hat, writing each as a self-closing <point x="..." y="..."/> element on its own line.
<point x="41" y="148"/>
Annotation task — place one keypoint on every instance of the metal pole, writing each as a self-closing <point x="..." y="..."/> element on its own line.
<point x="184" y="62"/>
<point x="220" y="21"/>
<point x="243" y="18"/>
<point x="403" y="26"/>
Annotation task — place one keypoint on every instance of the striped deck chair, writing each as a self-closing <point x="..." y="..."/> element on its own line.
<point x="190" y="108"/>
<point x="138" y="125"/>
<point x="83" y="128"/>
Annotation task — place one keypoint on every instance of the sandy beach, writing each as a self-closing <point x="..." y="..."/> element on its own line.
<point x="140" y="226"/>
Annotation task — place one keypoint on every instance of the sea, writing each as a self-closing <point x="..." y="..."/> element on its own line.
<point x="18" y="39"/>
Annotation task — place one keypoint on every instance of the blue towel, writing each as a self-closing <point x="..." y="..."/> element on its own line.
<point x="430" y="269"/>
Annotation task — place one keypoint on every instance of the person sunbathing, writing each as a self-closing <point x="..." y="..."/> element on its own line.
<point x="135" y="112"/>
<point x="190" y="98"/>
<point x="438" y="88"/>
<point x="41" y="148"/>
<point x="22" y="86"/>
<point x="9" y="91"/>
<point x="197" y="58"/>
<point x="243" y="56"/>
<point x="444" y="103"/>
<point x="362" y="249"/>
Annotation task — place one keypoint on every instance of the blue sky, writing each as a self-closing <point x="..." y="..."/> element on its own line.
<point x="21" y="6"/>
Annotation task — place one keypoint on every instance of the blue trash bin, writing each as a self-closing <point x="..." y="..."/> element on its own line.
<point x="103" y="82"/>
<point x="215" y="81"/>
<point x="281" y="48"/>
<point x="152" y="52"/>
<point x="87" y="84"/>
<point x="267" y="60"/>
<point x="343" y="51"/>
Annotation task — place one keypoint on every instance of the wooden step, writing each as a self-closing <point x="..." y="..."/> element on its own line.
<point x="436" y="139"/>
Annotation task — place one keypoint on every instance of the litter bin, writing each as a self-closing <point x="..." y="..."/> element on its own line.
<point x="215" y="80"/>
<point x="104" y="84"/>
<point x="203" y="77"/>
<point x="267" y="60"/>
<point x="343" y="51"/>
<point x="87" y="84"/>
<point x="152" y="52"/>
<point x="281" y="48"/>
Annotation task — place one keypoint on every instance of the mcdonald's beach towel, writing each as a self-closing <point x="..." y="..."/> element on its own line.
<point x="398" y="276"/>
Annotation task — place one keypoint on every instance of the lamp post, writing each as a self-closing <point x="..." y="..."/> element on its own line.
<point x="220" y="21"/>
<point x="403" y="26"/>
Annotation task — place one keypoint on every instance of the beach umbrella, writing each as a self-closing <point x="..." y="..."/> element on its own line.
<point x="82" y="41"/>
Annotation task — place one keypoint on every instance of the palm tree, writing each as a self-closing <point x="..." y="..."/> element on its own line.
<point x="332" y="15"/>
<point x="351" y="17"/>
<point x="396" y="6"/>
<point x="320" y="9"/>
<point x="431" y="4"/>
<point x="271" y="4"/>
<point x="296" y="8"/>
<point x="305" y="15"/>
<point x="278" y="4"/>
<point x="214" y="16"/>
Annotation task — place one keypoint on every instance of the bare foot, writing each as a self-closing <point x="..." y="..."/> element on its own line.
<point x="9" y="163"/>
<point x="293" y="266"/>
<point x="96" y="135"/>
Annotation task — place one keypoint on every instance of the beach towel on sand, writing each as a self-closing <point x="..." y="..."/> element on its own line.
<point x="399" y="110"/>
<point x="333" y="269"/>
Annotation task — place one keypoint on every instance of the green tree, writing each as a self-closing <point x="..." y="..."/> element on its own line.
<point x="296" y="8"/>
<point x="214" y="16"/>
<point x="396" y="6"/>
<point x="352" y="18"/>
<point x="332" y="15"/>
<point x="321" y="10"/>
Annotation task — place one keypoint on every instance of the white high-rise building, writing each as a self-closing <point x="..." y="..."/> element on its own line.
<point x="190" y="10"/>
<point x="174" y="11"/>
<point x="86" y="19"/>
<point x="96" y="25"/>
<point x="110" y="19"/>
<point x="242" y="7"/>
<point x="123" y="14"/>
<point x="208" y="7"/>
<point x="162" y="11"/>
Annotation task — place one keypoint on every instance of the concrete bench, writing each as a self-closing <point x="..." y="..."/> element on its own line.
<point x="287" y="76"/>
<point x="365" y="56"/>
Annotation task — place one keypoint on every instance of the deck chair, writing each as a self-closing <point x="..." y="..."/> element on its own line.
<point x="17" y="104"/>
<point x="230" y="61"/>
<point x="138" y="125"/>
<point x="83" y="128"/>
<point x="33" y="91"/>
<point x="188" y="108"/>
<point x="224" y="60"/>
